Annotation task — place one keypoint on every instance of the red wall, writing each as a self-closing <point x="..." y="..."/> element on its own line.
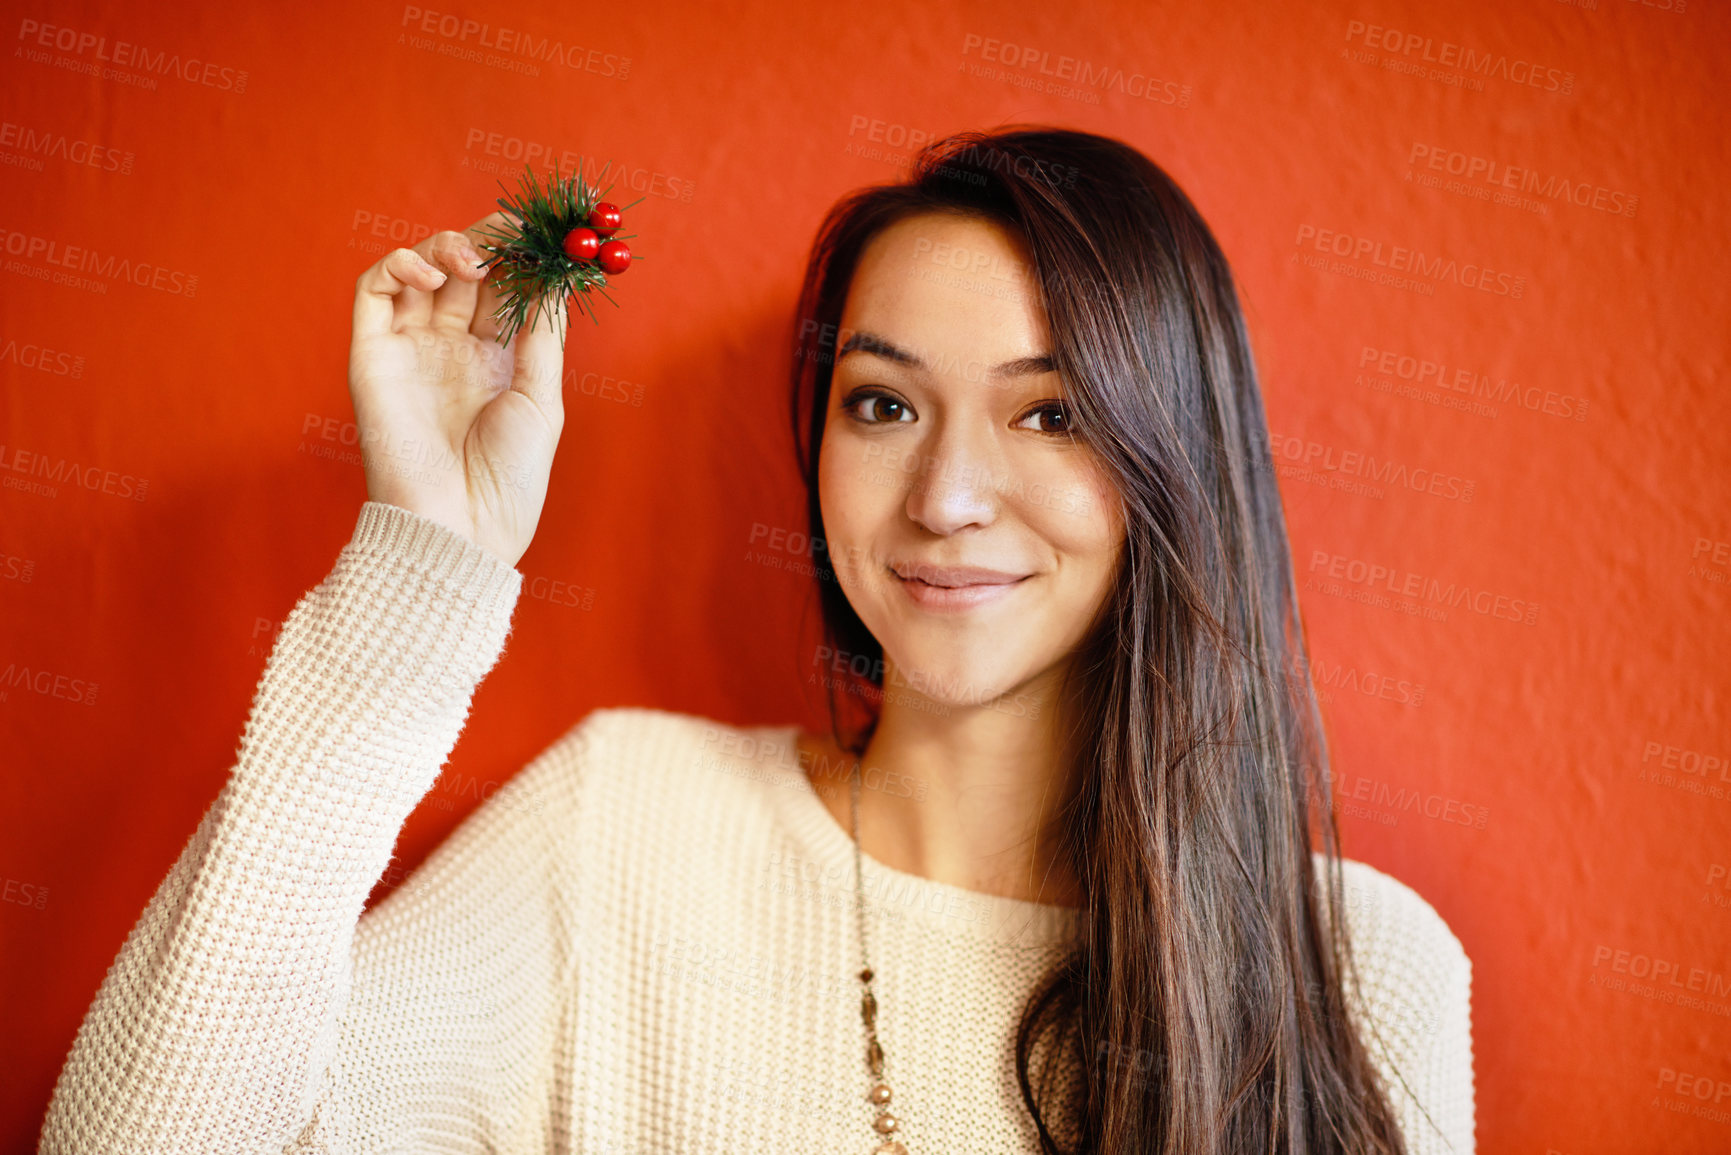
<point x="1534" y="411"/>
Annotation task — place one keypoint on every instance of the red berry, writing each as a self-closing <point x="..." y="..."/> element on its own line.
<point x="615" y="257"/>
<point x="582" y="244"/>
<point x="605" y="218"/>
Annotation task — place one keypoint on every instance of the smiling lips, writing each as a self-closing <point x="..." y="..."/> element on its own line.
<point x="954" y="587"/>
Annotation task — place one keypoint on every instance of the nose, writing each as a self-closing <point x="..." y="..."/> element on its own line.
<point x="955" y="484"/>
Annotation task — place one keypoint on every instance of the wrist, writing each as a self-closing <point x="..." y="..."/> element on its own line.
<point x="451" y="522"/>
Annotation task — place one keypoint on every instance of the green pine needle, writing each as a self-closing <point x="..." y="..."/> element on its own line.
<point x="532" y="258"/>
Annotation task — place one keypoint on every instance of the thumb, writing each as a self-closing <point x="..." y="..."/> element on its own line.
<point x="540" y="351"/>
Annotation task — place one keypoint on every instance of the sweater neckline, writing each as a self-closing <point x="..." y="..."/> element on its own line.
<point x="895" y="894"/>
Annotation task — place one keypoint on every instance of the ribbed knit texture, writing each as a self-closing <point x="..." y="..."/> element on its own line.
<point x="643" y="943"/>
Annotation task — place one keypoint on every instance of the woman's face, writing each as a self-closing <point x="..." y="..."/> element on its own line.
<point x="971" y="534"/>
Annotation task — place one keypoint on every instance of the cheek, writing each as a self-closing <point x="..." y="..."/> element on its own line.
<point x="1076" y="509"/>
<point x="1078" y="515"/>
<point x="833" y="496"/>
<point x="850" y="505"/>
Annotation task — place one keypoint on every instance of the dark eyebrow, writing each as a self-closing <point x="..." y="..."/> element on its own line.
<point x="877" y="346"/>
<point x="864" y="342"/>
<point x="1024" y="366"/>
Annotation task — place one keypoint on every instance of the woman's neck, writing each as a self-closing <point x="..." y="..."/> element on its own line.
<point x="962" y="795"/>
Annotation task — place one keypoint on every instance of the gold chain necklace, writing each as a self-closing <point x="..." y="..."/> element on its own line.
<point x="879" y="1095"/>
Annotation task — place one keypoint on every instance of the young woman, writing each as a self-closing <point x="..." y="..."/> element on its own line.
<point x="1061" y="877"/>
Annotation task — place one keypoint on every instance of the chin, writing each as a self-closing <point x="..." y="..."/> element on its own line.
<point x="952" y="681"/>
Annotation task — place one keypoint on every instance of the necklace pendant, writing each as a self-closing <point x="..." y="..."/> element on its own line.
<point x="889" y="1147"/>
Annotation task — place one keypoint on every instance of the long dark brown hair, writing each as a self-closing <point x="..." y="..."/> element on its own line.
<point x="1203" y="1006"/>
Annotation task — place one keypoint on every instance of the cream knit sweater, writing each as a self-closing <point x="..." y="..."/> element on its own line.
<point x="643" y="943"/>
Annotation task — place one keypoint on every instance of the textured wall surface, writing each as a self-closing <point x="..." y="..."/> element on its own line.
<point x="1481" y="248"/>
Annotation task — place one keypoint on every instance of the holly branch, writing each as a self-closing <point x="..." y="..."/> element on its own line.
<point x="564" y="239"/>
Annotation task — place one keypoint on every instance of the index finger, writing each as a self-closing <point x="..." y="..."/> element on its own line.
<point x="398" y="271"/>
<point x="487" y="227"/>
<point x="404" y="268"/>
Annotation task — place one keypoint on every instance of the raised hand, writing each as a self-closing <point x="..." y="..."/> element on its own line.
<point x="454" y="426"/>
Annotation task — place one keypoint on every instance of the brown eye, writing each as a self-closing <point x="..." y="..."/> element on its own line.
<point x="1049" y="418"/>
<point x="879" y="409"/>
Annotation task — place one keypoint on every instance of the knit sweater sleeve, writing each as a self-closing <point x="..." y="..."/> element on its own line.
<point x="251" y="1007"/>
<point x="1449" y="1063"/>
<point x="1416" y="1010"/>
